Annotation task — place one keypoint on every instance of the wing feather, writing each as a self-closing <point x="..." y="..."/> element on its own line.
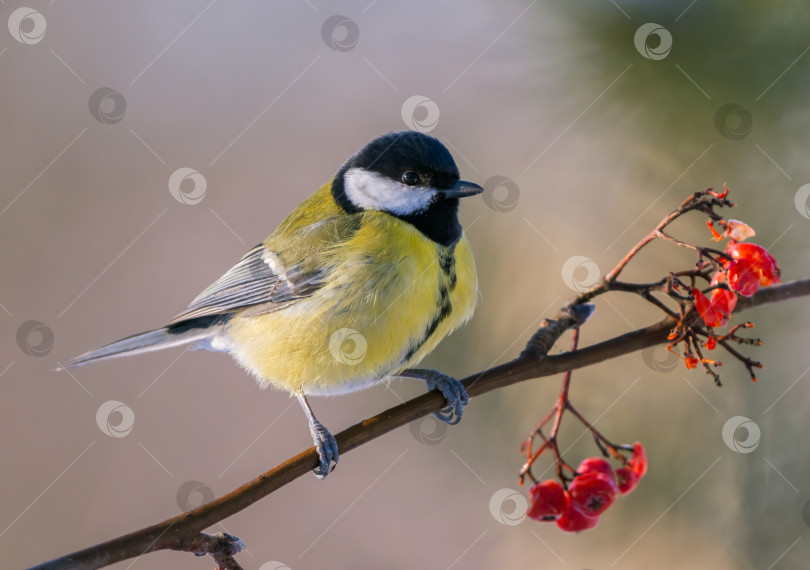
<point x="272" y="275"/>
<point x="252" y="281"/>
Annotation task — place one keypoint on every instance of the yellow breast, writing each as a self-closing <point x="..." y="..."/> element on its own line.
<point x="390" y="295"/>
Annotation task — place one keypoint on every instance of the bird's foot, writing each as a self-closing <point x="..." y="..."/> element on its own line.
<point x="326" y="445"/>
<point x="452" y="390"/>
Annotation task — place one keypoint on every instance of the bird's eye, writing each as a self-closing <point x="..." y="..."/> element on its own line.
<point x="410" y="178"/>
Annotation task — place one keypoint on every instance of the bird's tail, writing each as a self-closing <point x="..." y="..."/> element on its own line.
<point x="197" y="330"/>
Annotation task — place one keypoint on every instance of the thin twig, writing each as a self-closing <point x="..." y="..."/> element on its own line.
<point x="702" y="201"/>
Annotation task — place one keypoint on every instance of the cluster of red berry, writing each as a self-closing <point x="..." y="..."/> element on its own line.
<point x="594" y="488"/>
<point x="745" y="268"/>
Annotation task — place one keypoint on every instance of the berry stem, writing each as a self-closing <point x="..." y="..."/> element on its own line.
<point x="598" y="436"/>
<point x="703" y="201"/>
<point x="550" y="442"/>
<point x="703" y="252"/>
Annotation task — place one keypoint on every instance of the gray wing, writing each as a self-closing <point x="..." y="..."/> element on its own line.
<point x="258" y="279"/>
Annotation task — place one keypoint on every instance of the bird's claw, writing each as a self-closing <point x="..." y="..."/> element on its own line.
<point x="452" y="390"/>
<point x="327" y="449"/>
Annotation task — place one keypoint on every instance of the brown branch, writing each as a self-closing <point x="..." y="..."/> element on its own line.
<point x="221" y="547"/>
<point x="183" y="531"/>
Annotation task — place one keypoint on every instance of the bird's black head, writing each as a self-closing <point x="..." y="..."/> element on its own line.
<point x="411" y="176"/>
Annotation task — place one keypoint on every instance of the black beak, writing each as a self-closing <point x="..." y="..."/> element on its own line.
<point x="461" y="189"/>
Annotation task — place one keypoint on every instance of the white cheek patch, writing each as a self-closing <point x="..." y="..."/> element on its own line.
<point x="372" y="191"/>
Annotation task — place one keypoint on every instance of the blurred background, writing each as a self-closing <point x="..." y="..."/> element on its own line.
<point x="146" y="146"/>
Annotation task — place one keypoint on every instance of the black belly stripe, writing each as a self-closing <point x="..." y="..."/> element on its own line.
<point x="447" y="262"/>
<point x="444" y="311"/>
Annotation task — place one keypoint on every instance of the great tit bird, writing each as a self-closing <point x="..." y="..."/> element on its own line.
<point x="359" y="283"/>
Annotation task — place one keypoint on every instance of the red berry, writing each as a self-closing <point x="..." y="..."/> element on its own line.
<point x="724" y="301"/>
<point x="598" y="465"/>
<point x="715" y="311"/>
<point x="708" y="311"/>
<point x="628" y="479"/>
<point x="638" y="462"/>
<point x="701" y="301"/>
<point x="573" y="520"/>
<point x="548" y="500"/>
<point x="764" y="264"/>
<point x="743" y="277"/>
<point x="592" y="493"/>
